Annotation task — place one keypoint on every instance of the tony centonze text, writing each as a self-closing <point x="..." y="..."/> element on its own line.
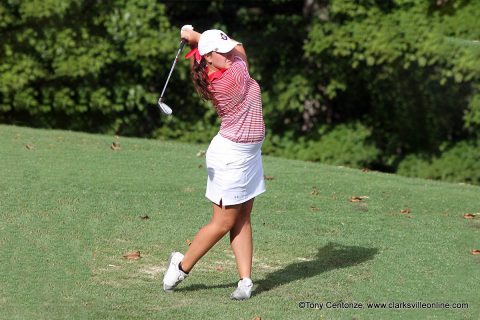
<point x="383" y="305"/>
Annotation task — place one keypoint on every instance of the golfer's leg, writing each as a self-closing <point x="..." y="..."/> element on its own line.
<point x="222" y="221"/>
<point x="241" y="241"/>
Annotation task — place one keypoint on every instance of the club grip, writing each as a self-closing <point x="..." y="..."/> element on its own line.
<point x="182" y="44"/>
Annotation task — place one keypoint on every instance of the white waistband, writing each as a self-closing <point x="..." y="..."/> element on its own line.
<point x="249" y="148"/>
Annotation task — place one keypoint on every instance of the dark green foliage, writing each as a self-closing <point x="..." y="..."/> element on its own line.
<point x="345" y="144"/>
<point x="408" y="69"/>
<point x="84" y="65"/>
<point x="357" y="83"/>
<point x="459" y="163"/>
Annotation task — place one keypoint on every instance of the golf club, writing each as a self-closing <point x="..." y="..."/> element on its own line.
<point x="166" y="109"/>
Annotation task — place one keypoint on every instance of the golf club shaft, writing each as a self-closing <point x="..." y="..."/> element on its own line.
<point x="182" y="44"/>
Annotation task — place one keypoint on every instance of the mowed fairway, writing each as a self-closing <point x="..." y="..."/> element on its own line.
<point x="71" y="207"/>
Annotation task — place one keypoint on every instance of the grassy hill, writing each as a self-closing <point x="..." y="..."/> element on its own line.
<point x="71" y="207"/>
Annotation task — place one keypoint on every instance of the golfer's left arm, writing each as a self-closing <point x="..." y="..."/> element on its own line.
<point x="239" y="51"/>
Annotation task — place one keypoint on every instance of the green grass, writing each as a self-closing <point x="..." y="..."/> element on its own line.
<point x="70" y="207"/>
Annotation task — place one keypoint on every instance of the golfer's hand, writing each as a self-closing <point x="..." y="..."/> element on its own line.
<point x="185" y="32"/>
<point x="189" y="35"/>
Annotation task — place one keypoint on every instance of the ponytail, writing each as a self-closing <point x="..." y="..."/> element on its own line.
<point x="200" y="80"/>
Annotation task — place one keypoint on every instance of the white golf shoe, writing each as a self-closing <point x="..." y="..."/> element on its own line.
<point x="244" y="289"/>
<point x="173" y="276"/>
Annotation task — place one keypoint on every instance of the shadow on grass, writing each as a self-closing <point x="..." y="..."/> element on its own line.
<point x="329" y="257"/>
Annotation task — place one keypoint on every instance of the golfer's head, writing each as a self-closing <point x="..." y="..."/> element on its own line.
<point x="216" y="47"/>
<point x="215" y="41"/>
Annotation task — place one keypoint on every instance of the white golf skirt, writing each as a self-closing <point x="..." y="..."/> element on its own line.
<point x="235" y="171"/>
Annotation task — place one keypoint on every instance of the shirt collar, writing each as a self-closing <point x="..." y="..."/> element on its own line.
<point x="216" y="75"/>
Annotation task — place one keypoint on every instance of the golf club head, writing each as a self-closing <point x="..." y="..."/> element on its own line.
<point x="165" y="109"/>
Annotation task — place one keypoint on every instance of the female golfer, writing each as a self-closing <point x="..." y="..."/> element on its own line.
<point x="234" y="162"/>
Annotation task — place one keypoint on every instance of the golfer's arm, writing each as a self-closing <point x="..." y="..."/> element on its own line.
<point x="240" y="51"/>
<point x="193" y="38"/>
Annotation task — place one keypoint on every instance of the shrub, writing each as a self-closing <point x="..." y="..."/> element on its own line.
<point x="344" y="144"/>
<point x="458" y="163"/>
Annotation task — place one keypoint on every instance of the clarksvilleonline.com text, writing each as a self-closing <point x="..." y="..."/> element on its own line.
<point x="382" y="305"/>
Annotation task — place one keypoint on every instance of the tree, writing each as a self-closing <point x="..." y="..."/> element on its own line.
<point x="84" y="65"/>
<point x="393" y="81"/>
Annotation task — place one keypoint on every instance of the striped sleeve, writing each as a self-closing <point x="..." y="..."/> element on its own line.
<point x="239" y="104"/>
<point x="240" y="72"/>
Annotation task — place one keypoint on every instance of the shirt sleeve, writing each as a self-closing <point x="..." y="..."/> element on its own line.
<point x="240" y="72"/>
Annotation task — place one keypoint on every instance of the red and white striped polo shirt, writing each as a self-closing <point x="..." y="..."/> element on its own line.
<point x="238" y="104"/>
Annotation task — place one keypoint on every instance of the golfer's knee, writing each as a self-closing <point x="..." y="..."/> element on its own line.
<point x="224" y="226"/>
